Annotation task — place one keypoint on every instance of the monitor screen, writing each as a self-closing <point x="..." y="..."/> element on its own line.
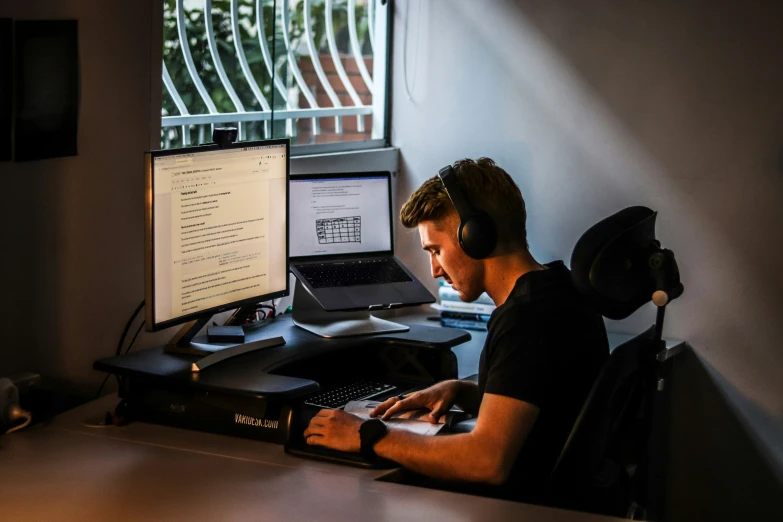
<point x="341" y="214"/>
<point x="216" y="222"/>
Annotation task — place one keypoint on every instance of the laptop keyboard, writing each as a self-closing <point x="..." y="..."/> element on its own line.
<point x="339" y="397"/>
<point x="352" y="273"/>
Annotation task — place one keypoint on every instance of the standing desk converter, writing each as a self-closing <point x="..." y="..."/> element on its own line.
<point x="144" y="471"/>
<point x="259" y="394"/>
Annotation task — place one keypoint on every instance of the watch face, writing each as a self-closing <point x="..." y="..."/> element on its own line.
<point x="371" y="432"/>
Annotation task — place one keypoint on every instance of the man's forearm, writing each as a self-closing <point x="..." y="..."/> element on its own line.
<point x="450" y="457"/>
<point x="468" y="397"/>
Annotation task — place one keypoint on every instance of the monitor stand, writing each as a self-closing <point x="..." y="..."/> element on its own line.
<point x="182" y="342"/>
<point x="310" y="315"/>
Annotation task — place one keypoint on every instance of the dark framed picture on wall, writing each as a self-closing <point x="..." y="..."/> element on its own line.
<point x="46" y="89"/>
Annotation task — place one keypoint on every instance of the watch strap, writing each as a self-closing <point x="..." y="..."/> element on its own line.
<point x="370" y="432"/>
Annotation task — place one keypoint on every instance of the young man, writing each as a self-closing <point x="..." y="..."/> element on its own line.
<point x="544" y="349"/>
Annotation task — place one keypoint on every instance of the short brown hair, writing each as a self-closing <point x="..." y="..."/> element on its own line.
<point x="487" y="187"/>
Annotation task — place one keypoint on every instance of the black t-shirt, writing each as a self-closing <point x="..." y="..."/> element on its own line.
<point x="545" y="346"/>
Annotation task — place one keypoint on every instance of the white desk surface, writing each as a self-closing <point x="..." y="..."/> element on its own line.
<point x="66" y="471"/>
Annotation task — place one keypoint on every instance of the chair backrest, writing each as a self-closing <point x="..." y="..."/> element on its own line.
<point x="600" y="467"/>
<point x="618" y="266"/>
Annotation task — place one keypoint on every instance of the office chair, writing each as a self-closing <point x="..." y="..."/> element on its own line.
<point x="605" y="465"/>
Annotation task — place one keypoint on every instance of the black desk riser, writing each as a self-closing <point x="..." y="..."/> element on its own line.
<point x="259" y="394"/>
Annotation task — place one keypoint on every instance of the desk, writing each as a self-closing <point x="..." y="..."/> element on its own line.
<point x="65" y="471"/>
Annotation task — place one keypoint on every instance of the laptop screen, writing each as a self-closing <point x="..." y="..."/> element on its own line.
<point x="339" y="214"/>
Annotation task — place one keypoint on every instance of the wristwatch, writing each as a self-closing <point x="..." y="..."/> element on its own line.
<point x="370" y="432"/>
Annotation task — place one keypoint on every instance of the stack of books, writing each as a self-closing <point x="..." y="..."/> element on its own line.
<point x="459" y="314"/>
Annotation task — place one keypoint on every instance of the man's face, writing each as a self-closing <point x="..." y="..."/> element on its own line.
<point x="448" y="260"/>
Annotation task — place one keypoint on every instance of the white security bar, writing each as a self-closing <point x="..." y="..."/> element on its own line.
<point x="286" y="76"/>
<point x="319" y="70"/>
<point x="338" y="64"/>
<point x="245" y="66"/>
<point x="172" y="90"/>
<point x="229" y="117"/>
<point x="357" y="50"/>
<point x="221" y="72"/>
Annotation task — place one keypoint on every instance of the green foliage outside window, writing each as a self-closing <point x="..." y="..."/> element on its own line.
<point x="221" y="17"/>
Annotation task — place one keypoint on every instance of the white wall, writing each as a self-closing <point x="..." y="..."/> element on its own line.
<point x="73" y="236"/>
<point x="596" y="105"/>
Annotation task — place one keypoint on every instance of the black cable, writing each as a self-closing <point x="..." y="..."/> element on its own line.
<point x="127" y="327"/>
<point x="134" y="337"/>
<point x="118" y="351"/>
<point x="243" y="316"/>
<point x="268" y="307"/>
<point x="98" y="395"/>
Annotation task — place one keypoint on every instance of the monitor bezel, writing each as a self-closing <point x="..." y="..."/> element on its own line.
<point x="354" y="175"/>
<point x="149" y="237"/>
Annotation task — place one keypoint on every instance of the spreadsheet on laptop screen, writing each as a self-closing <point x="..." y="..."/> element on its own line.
<point x="340" y="215"/>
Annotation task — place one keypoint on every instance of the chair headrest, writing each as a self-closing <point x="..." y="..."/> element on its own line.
<point x="613" y="263"/>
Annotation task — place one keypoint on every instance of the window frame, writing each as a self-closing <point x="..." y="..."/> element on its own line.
<point x="157" y="86"/>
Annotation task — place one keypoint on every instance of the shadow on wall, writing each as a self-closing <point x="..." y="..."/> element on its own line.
<point x="717" y="470"/>
<point x="674" y="105"/>
<point x="696" y="115"/>
<point x="670" y="104"/>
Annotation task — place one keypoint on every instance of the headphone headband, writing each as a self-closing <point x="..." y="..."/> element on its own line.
<point x="477" y="231"/>
<point x="449" y="179"/>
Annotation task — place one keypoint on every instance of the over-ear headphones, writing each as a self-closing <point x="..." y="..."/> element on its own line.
<point x="477" y="233"/>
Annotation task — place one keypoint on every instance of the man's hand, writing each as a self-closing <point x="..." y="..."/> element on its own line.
<point x="334" y="429"/>
<point x="438" y="398"/>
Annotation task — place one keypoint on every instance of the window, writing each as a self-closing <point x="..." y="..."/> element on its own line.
<point x="312" y="70"/>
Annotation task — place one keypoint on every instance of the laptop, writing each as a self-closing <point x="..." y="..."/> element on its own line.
<point x="341" y="243"/>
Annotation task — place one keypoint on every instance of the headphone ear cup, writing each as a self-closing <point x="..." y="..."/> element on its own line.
<point x="478" y="235"/>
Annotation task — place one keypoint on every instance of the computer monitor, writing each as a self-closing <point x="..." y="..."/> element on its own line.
<point x="216" y="221"/>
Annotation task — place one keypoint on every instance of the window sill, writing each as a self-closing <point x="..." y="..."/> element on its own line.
<point x="386" y="158"/>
